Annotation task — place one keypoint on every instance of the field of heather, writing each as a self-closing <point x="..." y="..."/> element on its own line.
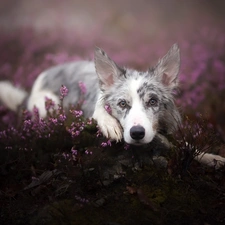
<point x="61" y="170"/>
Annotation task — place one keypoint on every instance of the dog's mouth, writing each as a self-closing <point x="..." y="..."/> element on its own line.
<point x="137" y="142"/>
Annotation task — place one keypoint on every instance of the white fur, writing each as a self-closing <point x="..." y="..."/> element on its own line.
<point x="38" y="96"/>
<point x="211" y="160"/>
<point x="137" y="117"/>
<point x="11" y="96"/>
<point x="108" y="125"/>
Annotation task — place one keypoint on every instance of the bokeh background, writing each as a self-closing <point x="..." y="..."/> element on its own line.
<point x="38" y="34"/>
<point x="110" y="17"/>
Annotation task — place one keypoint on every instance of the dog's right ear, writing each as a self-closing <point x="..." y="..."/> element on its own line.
<point x="107" y="70"/>
<point x="168" y="67"/>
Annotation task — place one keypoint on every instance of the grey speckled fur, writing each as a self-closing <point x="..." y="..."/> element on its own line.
<point x="69" y="75"/>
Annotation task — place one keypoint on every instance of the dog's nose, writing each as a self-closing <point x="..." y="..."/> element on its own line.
<point x="137" y="132"/>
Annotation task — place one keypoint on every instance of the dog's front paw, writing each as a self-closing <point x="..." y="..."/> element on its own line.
<point x="218" y="161"/>
<point x="211" y="160"/>
<point x="110" y="127"/>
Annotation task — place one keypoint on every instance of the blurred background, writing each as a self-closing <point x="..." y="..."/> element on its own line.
<point x="113" y="18"/>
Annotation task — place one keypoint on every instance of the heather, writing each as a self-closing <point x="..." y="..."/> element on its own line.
<point x="61" y="170"/>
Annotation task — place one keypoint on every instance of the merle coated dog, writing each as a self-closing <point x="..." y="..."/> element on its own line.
<point x="126" y="103"/>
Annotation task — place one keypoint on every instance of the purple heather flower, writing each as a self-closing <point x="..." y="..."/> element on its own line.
<point x="62" y="117"/>
<point x="82" y="200"/>
<point x="74" y="151"/>
<point x="104" y="144"/>
<point x="77" y="133"/>
<point x="63" y="91"/>
<point x="109" y="143"/>
<point x="66" y="156"/>
<point x="82" y="87"/>
<point x="27" y="124"/>
<point x="76" y="113"/>
<point x="98" y="133"/>
<point x="108" y="109"/>
<point x="49" y="103"/>
<point x="36" y="113"/>
<point x="126" y="146"/>
<point x="89" y="122"/>
<point x="88" y="152"/>
<point x="54" y="120"/>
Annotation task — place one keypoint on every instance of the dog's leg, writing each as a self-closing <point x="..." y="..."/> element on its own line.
<point x="210" y="160"/>
<point x="108" y="125"/>
<point x="38" y="99"/>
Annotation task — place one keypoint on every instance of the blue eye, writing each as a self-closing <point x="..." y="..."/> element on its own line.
<point x="122" y="104"/>
<point x="152" y="102"/>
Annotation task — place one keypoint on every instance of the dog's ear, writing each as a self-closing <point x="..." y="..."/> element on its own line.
<point x="106" y="69"/>
<point x="168" y="67"/>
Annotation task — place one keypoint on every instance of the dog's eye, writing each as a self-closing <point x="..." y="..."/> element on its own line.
<point x="152" y="102"/>
<point x="123" y="104"/>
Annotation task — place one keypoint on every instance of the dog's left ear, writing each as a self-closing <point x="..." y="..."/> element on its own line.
<point x="168" y="67"/>
<point x="106" y="69"/>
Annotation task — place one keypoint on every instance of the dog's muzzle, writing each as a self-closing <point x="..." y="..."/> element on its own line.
<point x="137" y="132"/>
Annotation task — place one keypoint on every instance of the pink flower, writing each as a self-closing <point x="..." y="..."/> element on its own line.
<point x="49" y="104"/>
<point x="54" y="120"/>
<point x="108" y="109"/>
<point x="109" y="143"/>
<point x="63" y="91"/>
<point x="82" y="87"/>
<point x="76" y="113"/>
<point x="74" y="151"/>
<point x="104" y="144"/>
<point x="62" y="117"/>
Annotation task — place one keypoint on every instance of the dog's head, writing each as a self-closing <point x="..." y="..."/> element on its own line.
<point x="142" y="102"/>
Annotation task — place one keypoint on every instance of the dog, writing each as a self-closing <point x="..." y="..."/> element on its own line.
<point x="140" y="105"/>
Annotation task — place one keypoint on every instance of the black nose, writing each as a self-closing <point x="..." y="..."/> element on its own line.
<point x="137" y="132"/>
